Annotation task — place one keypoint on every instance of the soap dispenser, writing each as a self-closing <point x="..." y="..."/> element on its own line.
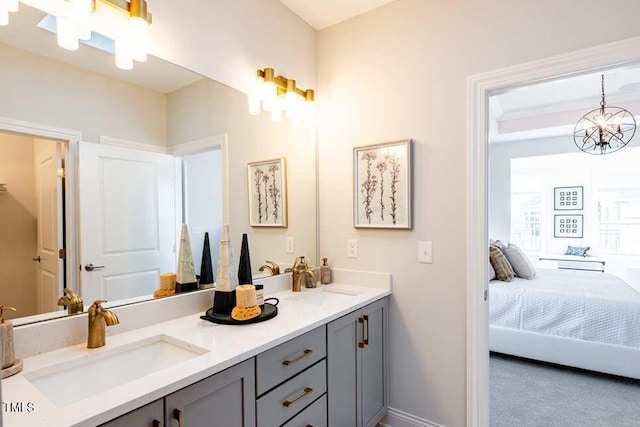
<point x="10" y="365"/>
<point x="325" y="272"/>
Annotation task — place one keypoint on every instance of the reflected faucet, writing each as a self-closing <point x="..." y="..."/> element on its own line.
<point x="73" y="302"/>
<point x="270" y="267"/>
<point x="99" y="319"/>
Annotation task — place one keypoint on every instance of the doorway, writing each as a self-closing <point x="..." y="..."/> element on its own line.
<point x="32" y="226"/>
<point x="480" y="88"/>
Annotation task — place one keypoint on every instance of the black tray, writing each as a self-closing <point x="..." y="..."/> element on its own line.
<point x="269" y="311"/>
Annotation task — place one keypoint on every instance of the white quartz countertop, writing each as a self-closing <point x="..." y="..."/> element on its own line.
<point x="227" y="345"/>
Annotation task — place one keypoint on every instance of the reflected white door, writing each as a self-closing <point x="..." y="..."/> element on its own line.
<point x="49" y="207"/>
<point x="127" y="221"/>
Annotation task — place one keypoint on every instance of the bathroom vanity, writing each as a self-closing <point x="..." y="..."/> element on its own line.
<point x="321" y="361"/>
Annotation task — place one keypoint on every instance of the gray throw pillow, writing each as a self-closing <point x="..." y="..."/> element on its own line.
<point x="520" y="262"/>
<point x="577" y="250"/>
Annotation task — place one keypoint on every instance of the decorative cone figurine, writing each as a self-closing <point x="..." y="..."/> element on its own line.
<point x="245" y="276"/>
<point x="224" y="297"/>
<point x="206" y="269"/>
<point x="186" y="276"/>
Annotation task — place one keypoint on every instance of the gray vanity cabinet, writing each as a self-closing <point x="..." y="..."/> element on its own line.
<point x="356" y="365"/>
<point x="226" y="399"/>
<point x="150" y="415"/>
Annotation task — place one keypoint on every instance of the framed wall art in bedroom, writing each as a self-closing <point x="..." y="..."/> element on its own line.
<point x="382" y="185"/>
<point x="568" y="198"/>
<point x="569" y="226"/>
<point x="267" y="182"/>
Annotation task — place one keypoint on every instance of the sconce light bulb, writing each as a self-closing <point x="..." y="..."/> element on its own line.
<point x="291" y="104"/>
<point x="310" y="114"/>
<point x="12" y="5"/>
<point x="124" y="57"/>
<point x="81" y="11"/>
<point x="67" y="35"/>
<point x="4" y="17"/>
<point x="139" y="38"/>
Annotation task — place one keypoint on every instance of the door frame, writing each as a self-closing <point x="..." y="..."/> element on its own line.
<point x="70" y="139"/>
<point x="479" y="88"/>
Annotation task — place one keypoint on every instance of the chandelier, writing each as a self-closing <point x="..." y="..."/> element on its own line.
<point x="605" y="129"/>
<point x="126" y="22"/>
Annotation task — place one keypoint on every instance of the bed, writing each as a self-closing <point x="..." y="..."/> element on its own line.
<point x="584" y="319"/>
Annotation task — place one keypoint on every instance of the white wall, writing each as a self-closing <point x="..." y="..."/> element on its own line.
<point x="398" y="72"/>
<point x="41" y="90"/>
<point x="228" y="40"/>
<point x="500" y="155"/>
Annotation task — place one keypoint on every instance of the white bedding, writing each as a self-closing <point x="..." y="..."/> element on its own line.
<point x="584" y="305"/>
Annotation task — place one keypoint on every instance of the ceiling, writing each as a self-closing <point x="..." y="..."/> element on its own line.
<point x="325" y="13"/>
<point x="552" y="108"/>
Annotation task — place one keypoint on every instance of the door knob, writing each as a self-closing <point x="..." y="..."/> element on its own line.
<point x="91" y="267"/>
<point x="36" y="258"/>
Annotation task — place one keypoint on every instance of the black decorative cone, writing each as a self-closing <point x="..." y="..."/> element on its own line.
<point x="244" y="265"/>
<point x="206" y="268"/>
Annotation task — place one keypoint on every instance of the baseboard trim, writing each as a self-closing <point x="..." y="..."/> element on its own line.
<point x="397" y="418"/>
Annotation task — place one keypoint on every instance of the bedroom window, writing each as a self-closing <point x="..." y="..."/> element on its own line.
<point x="525" y="219"/>
<point x="619" y="221"/>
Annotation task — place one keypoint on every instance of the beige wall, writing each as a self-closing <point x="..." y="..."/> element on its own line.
<point x="18" y="233"/>
<point x="41" y="90"/>
<point x="208" y="108"/>
<point x="400" y="72"/>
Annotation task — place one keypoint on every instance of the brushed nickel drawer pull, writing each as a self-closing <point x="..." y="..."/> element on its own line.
<point x="361" y="321"/>
<point x="366" y="337"/>
<point x="307" y="391"/>
<point x="178" y="415"/>
<point x="157" y="423"/>
<point x="302" y="356"/>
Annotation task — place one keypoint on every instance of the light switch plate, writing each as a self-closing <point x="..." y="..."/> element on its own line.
<point x="291" y="245"/>
<point x="425" y="252"/>
<point x="352" y="248"/>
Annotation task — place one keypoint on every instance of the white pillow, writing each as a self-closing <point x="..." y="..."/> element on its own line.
<point x="520" y="262"/>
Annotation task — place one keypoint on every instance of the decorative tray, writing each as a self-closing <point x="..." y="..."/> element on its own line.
<point x="269" y="311"/>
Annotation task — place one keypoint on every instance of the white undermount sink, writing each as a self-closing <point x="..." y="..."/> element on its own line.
<point x="78" y="379"/>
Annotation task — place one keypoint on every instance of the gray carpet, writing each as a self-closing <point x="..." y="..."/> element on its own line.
<point x="528" y="393"/>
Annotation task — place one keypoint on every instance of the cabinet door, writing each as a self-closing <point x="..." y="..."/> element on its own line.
<point x="150" y="415"/>
<point x="343" y="354"/>
<point x="226" y="399"/>
<point x="373" y="363"/>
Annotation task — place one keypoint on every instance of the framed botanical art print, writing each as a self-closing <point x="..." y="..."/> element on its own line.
<point x="568" y="226"/>
<point x="568" y="198"/>
<point x="382" y="185"/>
<point x="267" y="193"/>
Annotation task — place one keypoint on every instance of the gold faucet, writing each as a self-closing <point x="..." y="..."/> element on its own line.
<point x="270" y="267"/>
<point x="99" y="319"/>
<point x="300" y="273"/>
<point x="73" y="302"/>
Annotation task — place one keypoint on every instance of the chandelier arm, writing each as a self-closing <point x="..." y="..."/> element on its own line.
<point x="615" y="137"/>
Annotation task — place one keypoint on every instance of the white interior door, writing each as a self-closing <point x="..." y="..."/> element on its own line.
<point x="127" y="221"/>
<point x="49" y="280"/>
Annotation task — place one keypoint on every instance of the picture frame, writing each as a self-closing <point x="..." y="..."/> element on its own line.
<point x="382" y="181"/>
<point x="267" y="184"/>
<point x="568" y="198"/>
<point x="568" y="226"/>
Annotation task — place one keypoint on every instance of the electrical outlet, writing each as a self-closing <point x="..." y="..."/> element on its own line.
<point x="291" y="246"/>
<point x="352" y="248"/>
<point x="425" y="252"/>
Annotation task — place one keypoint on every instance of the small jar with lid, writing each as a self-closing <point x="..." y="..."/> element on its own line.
<point x="325" y="272"/>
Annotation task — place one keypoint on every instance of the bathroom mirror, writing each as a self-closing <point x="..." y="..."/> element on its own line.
<point x="176" y="146"/>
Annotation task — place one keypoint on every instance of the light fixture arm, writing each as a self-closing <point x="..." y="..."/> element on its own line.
<point x="134" y="8"/>
<point x="283" y="83"/>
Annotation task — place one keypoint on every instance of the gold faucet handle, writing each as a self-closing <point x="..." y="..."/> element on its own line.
<point x="4" y="308"/>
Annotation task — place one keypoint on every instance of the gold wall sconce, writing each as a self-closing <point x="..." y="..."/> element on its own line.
<point x="280" y="96"/>
<point x="126" y="22"/>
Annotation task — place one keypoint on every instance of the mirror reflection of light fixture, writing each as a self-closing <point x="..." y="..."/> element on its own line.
<point x="280" y="96"/>
<point x="77" y="19"/>
<point x="605" y="129"/>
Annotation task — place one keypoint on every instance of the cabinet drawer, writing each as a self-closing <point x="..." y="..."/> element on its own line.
<point x="282" y="362"/>
<point x="314" y="416"/>
<point x="143" y="417"/>
<point x="287" y="400"/>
